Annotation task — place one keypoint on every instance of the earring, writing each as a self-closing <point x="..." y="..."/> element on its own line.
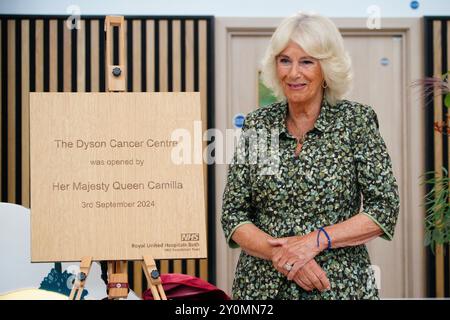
<point x="324" y="84"/>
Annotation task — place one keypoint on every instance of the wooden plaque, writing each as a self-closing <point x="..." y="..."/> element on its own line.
<point x="104" y="182"/>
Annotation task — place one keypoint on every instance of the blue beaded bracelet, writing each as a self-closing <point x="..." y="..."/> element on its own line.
<point x="321" y="229"/>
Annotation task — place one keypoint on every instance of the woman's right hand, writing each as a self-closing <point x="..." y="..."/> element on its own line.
<point x="311" y="276"/>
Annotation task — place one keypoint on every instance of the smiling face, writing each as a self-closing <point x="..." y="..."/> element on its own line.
<point x="300" y="75"/>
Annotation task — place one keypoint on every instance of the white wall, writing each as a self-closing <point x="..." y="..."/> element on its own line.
<point x="227" y="8"/>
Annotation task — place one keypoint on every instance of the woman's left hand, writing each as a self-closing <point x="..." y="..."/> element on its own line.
<point x="295" y="251"/>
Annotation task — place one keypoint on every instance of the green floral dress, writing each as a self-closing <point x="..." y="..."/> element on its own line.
<point x="343" y="160"/>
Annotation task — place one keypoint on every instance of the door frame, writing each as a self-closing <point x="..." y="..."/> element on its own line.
<point x="413" y="128"/>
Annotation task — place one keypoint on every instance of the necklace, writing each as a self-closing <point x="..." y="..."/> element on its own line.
<point x="300" y="139"/>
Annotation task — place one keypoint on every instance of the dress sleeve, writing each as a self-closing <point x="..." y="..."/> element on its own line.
<point x="236" y="207"/>
<point x="376" y="180"/>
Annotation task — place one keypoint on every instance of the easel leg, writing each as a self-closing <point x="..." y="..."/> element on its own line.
<point x="117" y="279"/>
<point x="153" y="278"/>
<point x="78" y="285"/>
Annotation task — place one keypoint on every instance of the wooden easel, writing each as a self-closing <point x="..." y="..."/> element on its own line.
<point x="118" y="286"/>
<point x="80" y="280"/>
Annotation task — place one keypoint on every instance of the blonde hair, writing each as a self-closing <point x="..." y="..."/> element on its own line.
<point x="319" y="38"/>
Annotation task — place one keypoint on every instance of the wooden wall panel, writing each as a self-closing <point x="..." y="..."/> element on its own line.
<point x="176" y="87"/>
<point x="53" y="59"/>
<point x="81" y="58"/>
<point x="41" y="53"/>
<point x="202" y="87"/>
<point x="67" y="59"/>
<point x="12" y="172"/>
<point x="437" y="39"/>
<point x="150" y="55"/>
<point x="25" y="113"/>
<point x="135" y="78"/>
<point x="163" y="59"/>
<point x="189" y="86"/>
<point x="95" y="56"/>
<point x="438" y="140"/>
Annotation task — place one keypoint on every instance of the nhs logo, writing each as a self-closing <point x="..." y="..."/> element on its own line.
<point x="190" y="237"/>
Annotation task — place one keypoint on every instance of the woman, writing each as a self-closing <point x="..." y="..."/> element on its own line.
<point x="301" y="229"/>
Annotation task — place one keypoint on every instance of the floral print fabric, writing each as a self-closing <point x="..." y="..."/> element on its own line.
<point x="343" y="163"/>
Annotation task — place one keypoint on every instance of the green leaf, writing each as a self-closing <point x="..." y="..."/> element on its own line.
<point x="437" y="206"/>
<point x="447" y="100"/>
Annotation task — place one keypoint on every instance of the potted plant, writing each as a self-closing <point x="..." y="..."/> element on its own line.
<point x="436" y="202"/>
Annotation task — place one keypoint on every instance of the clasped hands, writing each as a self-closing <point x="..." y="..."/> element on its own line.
<point x="294" y="257"/>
